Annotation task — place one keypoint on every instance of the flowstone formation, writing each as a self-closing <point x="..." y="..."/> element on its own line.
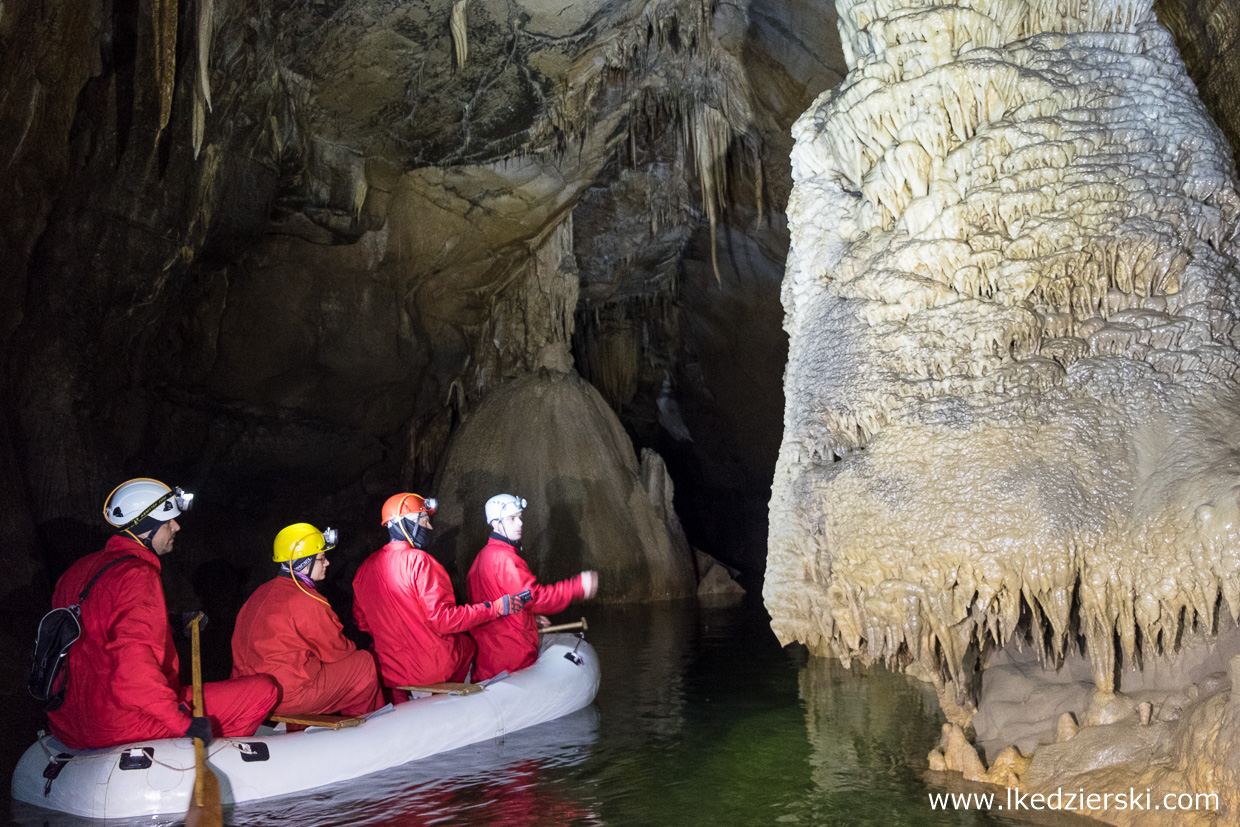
<point x="550" y="437"/>
<point x="1012" y="382"/>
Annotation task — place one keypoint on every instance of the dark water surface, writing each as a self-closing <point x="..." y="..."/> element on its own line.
<point x="702" y="719"/>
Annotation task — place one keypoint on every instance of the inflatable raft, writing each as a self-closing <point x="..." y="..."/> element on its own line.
<point x="157" y="777"/>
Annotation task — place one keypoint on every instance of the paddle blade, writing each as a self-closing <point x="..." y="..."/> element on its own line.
<point x="211" y="812"/>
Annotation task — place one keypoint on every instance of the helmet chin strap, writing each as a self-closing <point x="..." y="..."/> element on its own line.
<point x="147" y="525"/>
<point x="497" y="530"/>
<point x="421" y="535"/>
<point x="148" y="541"/>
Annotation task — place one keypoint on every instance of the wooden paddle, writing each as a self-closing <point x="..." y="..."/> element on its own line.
<point x="445" y="688"/>
<point x="205" y="807"/>
<point x="565" y="627"/>
<point x="329" y="721"/>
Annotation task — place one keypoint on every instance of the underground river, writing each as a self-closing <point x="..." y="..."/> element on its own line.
<point x="702" y="719"/>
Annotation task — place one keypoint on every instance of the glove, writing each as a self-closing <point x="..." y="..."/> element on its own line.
<point x="199" y="728"/>
<point x="508" y="604"/>
<point x="589" y="583"/>
<point x="179" y="621"/>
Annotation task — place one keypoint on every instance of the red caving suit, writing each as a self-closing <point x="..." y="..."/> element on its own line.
<point x="511" y="642"/>
<point x="288" y="631"/>
<point x="403" y="597"/>
<point x="123" y="683"/>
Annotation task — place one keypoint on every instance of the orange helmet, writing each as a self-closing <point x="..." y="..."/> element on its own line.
<point x="402" y="505"/>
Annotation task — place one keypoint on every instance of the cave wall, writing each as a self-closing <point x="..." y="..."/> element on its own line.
<point x="282" y="262"/>
<point x="1205" y="33"/>
<point x="311" y="273"/>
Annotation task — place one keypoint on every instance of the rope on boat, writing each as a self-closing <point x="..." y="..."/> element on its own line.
<point x="53" y="756"/>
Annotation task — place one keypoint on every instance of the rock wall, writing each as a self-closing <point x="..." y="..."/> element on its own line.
<point x="1010" y="300"/>
<point x="550" y="438"/>
<point x="283" y="261"/>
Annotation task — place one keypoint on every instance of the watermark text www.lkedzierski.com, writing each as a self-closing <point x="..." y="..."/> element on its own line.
<point x="1078" y="800"/>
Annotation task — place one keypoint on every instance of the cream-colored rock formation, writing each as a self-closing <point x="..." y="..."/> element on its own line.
<point x="1011" y="387"/>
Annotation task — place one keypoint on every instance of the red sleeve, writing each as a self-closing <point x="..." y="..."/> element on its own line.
<point x="513" y="576"/>
<point x="139" y="624"/>
<point x="322" y="631"/>
<point x="555" y="597"/>
<point x="435" y="590"/>
<point x="358" y="614"/>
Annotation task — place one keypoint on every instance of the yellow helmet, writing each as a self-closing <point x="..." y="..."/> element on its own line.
<point x="302" y="540"/>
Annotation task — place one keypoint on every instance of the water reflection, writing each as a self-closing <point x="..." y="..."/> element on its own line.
<point x="514" y="781"/>
<point x="702" y="719"/>
<point x="505" y="781"/>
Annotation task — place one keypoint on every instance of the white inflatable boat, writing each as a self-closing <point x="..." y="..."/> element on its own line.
<point x="157" y="777"/>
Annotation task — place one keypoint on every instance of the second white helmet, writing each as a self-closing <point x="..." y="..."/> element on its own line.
<point x="503" y="505"/>
<point x="134" y="499"/>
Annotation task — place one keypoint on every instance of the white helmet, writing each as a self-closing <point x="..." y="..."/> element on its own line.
<point x="131" y="501"/>
<point x="503" y="505"/>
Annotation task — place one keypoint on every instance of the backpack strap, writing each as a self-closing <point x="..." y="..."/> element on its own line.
<point x="98" y="574"/>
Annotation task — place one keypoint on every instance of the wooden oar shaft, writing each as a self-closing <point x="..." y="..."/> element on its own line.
<point x="200" y="750"/>
<point x="206" y="809"/>
<point x="565" y="627"/>
<point x="197" y="662"/>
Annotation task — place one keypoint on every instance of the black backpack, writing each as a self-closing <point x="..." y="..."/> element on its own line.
<point x="58" y="631"/>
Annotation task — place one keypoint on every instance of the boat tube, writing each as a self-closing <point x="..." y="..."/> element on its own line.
<point x="157" y="777"/>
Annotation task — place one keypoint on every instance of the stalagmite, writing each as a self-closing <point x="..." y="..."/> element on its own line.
<point x="1012" y="303"/>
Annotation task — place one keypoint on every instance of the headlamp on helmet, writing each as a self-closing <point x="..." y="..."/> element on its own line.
<point x="133" y="501"/>
<point x="504" y="505"/>
<point x="302" y="540"/>
<point x="406" y="505"/>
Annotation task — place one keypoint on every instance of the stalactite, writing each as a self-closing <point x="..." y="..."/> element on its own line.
<point x="202" y="87"/>
<point x="460" y="41"/>
<point x="164" y="21"/>
<point x="759" y="183"/>
<point x="712" y="135"/>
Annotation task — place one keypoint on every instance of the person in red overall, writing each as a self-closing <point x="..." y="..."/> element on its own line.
<point x="511" y="643"/>
<point x="288" y="630"/>
<point x="123" y="683"/>
<point x="402" y="596"/>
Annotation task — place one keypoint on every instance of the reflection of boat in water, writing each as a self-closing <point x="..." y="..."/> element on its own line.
<point x="487" y="780"/>
<point x="157" y="777"/>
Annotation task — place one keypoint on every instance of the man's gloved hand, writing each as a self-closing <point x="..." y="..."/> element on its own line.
<point x="179" y="621"/>
<point x="508" y="604"/>
<point x="589" y="583"/>
<point x="199" y="728"/>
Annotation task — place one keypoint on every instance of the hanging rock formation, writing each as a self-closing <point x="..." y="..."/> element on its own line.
<point x="1011" y="300"/>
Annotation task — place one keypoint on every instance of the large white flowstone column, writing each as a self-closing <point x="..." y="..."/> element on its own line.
<point x="1012" y="301"/>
